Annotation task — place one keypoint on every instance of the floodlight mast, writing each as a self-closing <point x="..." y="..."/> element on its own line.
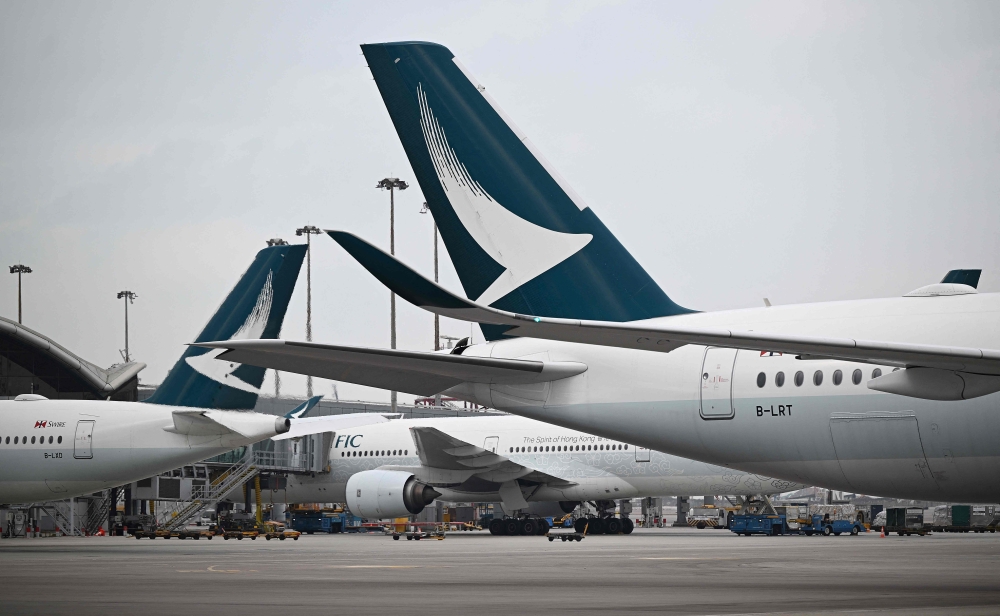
<point x="309" y="231"/>
<point x="129" y="297"/>
<point x="392" y="185"/>
<point x="437" y="318"/>
<point x="19" y="269"/>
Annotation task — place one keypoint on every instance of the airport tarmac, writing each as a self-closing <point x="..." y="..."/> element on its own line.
<point x="668" y="571"/>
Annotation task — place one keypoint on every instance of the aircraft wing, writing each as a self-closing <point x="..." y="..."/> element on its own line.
<point x="660" y="336"/>
<point x="329" y="423"/>
<point x="210" y="423"/>
<point x="415" y="372"/>
<point x="440" y="450"/>
<point x="200" y="422"/>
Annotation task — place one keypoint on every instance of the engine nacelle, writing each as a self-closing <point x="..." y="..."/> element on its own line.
<point x="387" y="494"/>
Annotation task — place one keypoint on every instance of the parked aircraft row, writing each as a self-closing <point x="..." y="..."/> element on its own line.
<point x="893" y="397"/>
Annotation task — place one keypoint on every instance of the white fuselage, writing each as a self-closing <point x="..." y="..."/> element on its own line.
<point x="842" y="436"/>
<point x="57" y="449"/>
<point x="599" y="468"/>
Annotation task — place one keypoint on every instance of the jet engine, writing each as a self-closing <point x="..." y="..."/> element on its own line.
<point x="387" y="494"/>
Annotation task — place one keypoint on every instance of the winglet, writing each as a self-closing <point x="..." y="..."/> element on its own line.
<point x="303" y="409"/>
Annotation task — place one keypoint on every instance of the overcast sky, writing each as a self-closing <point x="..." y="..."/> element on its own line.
<point x="797" y="151"/>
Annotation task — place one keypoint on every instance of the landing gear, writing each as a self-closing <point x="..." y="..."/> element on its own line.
<point x="498" y="527"/>
<point x="528" y="526"/>
<point x="604" y="526"/>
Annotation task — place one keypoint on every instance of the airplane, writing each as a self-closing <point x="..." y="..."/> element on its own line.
<point x="397" y="468"/>
<point x="59" y="449"/>
<point x="893" y="397"/>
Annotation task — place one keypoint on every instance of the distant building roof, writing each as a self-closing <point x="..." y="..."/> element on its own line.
<point x="29" y="356"/>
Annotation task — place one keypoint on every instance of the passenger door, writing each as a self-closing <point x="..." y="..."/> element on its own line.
<point x="83" y="443"/>
<point x="717" y="383"/>
<point x="642" y="454"/>
<point x="492" y="443"/>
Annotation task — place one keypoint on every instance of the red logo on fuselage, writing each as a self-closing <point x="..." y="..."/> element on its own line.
<point x="40" y="424"/>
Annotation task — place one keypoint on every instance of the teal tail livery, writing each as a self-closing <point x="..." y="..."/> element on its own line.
<point x="520" y="238"/>
<point x="254" y="309"/>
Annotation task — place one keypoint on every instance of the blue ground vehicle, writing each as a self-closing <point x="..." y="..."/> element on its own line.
<point x="826" y="526"/>
<point x="310" y="522"/>
<point x="759" y="524"/>
<point x="764" y="524"/>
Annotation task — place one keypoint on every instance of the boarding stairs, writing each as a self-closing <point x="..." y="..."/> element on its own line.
<point x="63" y="522"/>
<point x="241" y="472"/>
<point x="97" y="511"/>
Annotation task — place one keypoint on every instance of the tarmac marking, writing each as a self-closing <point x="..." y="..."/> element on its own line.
<point x="213" y="569"/>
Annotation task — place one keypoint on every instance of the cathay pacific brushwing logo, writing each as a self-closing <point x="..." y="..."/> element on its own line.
<point x="221" y="371"/>
<point x="523" y="248"/>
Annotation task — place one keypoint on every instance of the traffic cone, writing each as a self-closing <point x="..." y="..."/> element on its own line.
<point x="882" y="534"/>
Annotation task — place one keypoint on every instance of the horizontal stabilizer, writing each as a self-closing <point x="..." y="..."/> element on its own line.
<point x="210" y="423"/>
<point x="415" y="372"/>
<point x="329" y="423"/>
<point x="443" y="451"/>
<point x="659" y="334"/>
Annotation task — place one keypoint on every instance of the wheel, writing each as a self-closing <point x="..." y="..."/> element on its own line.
<point x="295" y="538"/>
<point x="827" y="531"/>
<point x="138" y="537"/>
<point x="627" y="526"/>
<point x="253" y="538"/>
<point x="612" y="526"/>
<point x="417" y="538"/>
<point x="268" y="538"/>
<point x="580" y="524"/>
<point x="837" y="534"/>
<point x="281" y="538"/>
<point x="808" y="533"/>
<point x="543" y="527"/>
<point x="240" y="538"/>
<point x="209" y="537"/>
<point x="395" y="537"/>
<point x="497" y="527"/>
<point x="511" y="527"/>
<point x="528" y="526"/>
<point x="854" y="531"/>
<point x="579" y="538"/>
<point x="701" y="525"/>
<point x="409" y="538"/>
<point x="552" y="538"/>
<point x="226" y="538"/>
<point x="597" y="526"/>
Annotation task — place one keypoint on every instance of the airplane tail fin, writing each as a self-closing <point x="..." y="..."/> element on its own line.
<point x="303" y="409"/>
<point x="521" y="239"/>
<point x="255" y="308"/>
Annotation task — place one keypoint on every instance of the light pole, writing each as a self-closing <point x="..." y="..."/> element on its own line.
<point x="309" y="231"/>
<point x="437" y="319"/>
<point x="277" y="241"/>
<point x="19" y="269"/>
<point x="129" y="297"/>
<point x="392" y="184"/>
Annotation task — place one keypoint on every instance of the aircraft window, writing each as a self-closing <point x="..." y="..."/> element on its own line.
<point x="15" y="440"/>
<point x="546" y="449"/>
<point x="32" y="440"/>
<point x="761" y="379"/>
<point x="838" y="377"/>
<point x="626" y="446"/>
<point x="818" y="378"/>
<point x="50" y="440"/>
<point x="779" y="379"/>
<point x="588" y="447"/>
<point x="511" y="450"/>
<point x="856" y="377"/>
<point x="799" y="378"/>
<point x="341" y="454"/>
<point x="877" y="372"/>
<point x="59" y="441"/>
<point x="406" y="452"/>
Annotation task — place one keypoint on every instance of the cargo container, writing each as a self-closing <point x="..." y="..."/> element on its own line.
<point x="905" y="521"/>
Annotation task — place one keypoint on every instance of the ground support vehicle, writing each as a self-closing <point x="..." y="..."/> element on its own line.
<point x="316" y="521"/>
<point x="822" y="525"/>
<point x="604" y="526"/>
<point x="277" y="530"/>
<point x="759" y="524"/>
<point x="965" y="519"/>
<point x="416" y="534"/>
<point x="708" y="516"/>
